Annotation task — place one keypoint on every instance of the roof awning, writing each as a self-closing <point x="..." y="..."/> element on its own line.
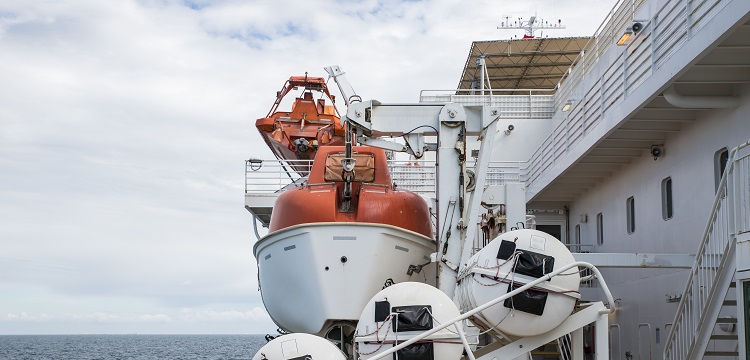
<point x="537" y="63"/>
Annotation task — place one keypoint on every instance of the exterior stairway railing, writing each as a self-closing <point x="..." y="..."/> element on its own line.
<point x="714" y="265"/>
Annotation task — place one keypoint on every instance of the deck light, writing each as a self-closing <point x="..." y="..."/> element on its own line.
<point x="629" y="33"/>
<point x="567" y="106"/>
<point x="625" y="38"/>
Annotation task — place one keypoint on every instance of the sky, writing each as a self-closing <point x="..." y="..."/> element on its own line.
<point x="124" y="126"/>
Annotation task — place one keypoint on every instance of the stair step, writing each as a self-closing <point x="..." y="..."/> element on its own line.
<point x="730" y="303"/>
<point x="723" y="337"/>
<point x="721" y="353"/>
<point x="726" y="320"/>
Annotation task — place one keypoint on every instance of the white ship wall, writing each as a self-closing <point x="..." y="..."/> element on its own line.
<point x="520" y="144"/>
<point x="689" y="161"/>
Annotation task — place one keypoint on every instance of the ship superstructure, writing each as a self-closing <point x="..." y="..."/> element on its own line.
<point x="635" y="158"/>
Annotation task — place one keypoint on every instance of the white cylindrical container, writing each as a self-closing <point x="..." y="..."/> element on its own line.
<point x="299" y="346"/>
<point x="511" y="260"/>
<point x="402" y="311"/>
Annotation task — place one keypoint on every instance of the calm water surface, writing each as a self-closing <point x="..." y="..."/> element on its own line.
<point x="111" y="347"/>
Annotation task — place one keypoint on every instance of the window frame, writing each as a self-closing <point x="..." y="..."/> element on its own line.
<point x="600" y="229"/>
<point x="721" y="158"/>
<point x="630" y="214"/>
<point x="667" y="198"/>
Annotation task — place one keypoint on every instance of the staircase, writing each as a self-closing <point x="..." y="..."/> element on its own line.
<point x="560" y="349"/>
<point x="722" y="342"/>
<point x="708" y="308"/>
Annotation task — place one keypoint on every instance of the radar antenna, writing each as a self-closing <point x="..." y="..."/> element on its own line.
<point x="530" y="26"/>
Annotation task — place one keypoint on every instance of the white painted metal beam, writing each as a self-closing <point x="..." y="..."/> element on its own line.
<point x="637" y="260"/>
<point x="576" y="321"/>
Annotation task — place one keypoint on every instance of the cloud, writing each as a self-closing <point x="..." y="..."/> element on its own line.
<point x="124" y="126"/>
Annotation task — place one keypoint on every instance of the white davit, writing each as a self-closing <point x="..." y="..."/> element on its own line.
<point x="299" y="346"/>
<point x="510" y="261"/>
<point x="402" y="311"/>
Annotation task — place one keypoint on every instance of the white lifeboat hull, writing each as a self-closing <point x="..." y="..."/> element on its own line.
<point x="314" y="275"/>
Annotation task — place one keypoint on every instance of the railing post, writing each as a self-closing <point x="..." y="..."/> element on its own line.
<point x="625" y="71"/>
<point x="530" y="98"/>
<point x="730" y="195"/>
<point x="688" y="33"/>
<point x="567" y="132"/>
<point x="652" y="28"/>
<point x="602" y="337"/>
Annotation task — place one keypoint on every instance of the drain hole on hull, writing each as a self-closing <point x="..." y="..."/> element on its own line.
<point x="343" y="259"/>
<point x="326" y="268"/>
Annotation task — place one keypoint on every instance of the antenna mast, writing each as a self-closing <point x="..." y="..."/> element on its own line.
<point x="530" y="26"/>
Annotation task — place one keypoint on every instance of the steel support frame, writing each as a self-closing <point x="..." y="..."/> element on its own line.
<point x="576" y="321"/>
<point x="451" y="123"/>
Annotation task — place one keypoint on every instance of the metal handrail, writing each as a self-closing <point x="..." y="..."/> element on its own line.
<point x="718" y="239"/>
<point x="521" y="103"/>
<point x="455" y="321"/>
<point x="669" y="27"/>
<point x="648" y="326"/>
<point x="619" y="343"/>
<point x="273" y="176"/>
<point x="491" y="91"/>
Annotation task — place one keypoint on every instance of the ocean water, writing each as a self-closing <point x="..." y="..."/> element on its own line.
<point x="121" y="347"/>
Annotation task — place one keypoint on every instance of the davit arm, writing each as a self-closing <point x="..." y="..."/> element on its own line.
<point x="451" y="124"/>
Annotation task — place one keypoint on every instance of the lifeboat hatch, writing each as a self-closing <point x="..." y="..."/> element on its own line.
<point x="364" y="172"/>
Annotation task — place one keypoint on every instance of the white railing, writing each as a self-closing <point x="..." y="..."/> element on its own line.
<point x="730" y="215"/>
<point x="416" y="176"/>
<point x="670" y="26"/>
<point x="501" y="172"/>
<point x="741" y="191"/>
<point x="533" y="104"/>
<point x="272" y="176"/>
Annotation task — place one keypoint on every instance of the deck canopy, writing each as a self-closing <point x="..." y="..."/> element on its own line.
<point x="535" y="63"/>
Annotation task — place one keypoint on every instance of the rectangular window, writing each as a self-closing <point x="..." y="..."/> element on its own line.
<point x="599" y="229"/>
<point x="630" y="210"/>
<point x="667" y="210"/>
<point x="720" y="164"/>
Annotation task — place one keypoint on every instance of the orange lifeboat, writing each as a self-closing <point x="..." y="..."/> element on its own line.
<point x="374" y="199"/>
<point x="327" y="254"/>
<point x="312" y="122"/>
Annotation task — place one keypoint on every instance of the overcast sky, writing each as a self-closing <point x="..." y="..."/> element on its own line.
<point x="124" y="125"/>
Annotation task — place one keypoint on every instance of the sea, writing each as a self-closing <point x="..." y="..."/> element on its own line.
<point x="122" y="347"/>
